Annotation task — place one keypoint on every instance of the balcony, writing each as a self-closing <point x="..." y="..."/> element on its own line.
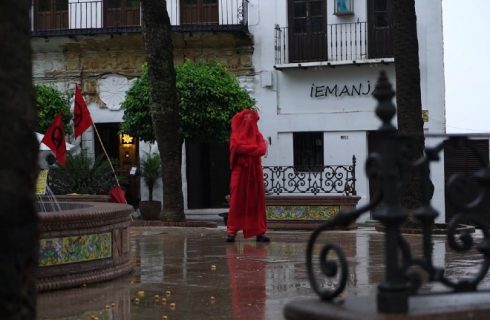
<point x="58" y="17"/>
<point x="341" y="43"/>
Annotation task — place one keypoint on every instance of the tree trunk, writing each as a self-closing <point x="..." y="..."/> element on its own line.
<point x="408" y="96"/>
<point x="18" y="165"/>
<point x="164" y="107"/>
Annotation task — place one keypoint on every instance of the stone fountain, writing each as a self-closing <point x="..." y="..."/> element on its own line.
<point x="81" y="242"/>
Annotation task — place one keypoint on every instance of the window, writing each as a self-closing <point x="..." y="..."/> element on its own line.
<point x="308" y="151"/>
<point x="343" y="7"/>
<point x="379" y="21"/>
<point x="133" y="3"/>
<point x="61" y="5"/>
<point x="44" y="6"/>
<point x="113" y="4"/>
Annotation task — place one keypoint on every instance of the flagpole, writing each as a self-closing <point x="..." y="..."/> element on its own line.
<point x="109" y="160"/>
<point x="105" y="152"/>
<point x="83" y="121"/>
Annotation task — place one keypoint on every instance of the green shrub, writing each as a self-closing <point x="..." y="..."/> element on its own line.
<point x="208" y="95"/>
<point x="137" y="119"/>
<point x="82" y="175"/>
<point x="50" y="102"/>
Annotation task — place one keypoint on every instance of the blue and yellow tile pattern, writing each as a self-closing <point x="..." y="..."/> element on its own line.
<point x="301" y="212"/>
<point x="56" y="251"/>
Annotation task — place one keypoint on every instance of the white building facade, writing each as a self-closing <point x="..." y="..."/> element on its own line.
<point x="316" y="65"/>
<point x="311" y="66"/>
<point x="98" y="44"/>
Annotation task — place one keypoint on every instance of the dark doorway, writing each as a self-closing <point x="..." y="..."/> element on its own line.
<point x="208" y="174"/>
<point x="465" y="160"/>
<point x="199" y="11"/>
<point x="122" y="13"/>
<point x="379" y="34"/>
<point x="50" y="15"/>
<point x="123" y="155"/>
<point x="307" y="34"/>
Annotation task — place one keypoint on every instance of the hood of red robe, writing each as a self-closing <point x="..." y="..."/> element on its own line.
<point x="244" y="131"/>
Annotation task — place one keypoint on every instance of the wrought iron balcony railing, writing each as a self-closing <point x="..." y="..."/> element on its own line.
<point x="340" y="179"/>
<point x="339" y="42"/>
<point x="52" y="17"/>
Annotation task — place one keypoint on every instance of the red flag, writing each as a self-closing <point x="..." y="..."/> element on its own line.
<point x="117" y="194"/>
<point x="55" y="139"/>
<point x="81" y="115"/>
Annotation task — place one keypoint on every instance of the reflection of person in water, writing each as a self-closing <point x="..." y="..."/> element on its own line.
<point x="247" y="271"/>
<point x="247" y="197"/>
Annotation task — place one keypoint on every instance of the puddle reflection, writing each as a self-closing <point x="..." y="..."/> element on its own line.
<point x="193" y="274"/>
<point x="247" y="271"/>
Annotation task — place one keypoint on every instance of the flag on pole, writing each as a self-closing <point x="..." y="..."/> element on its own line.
<point x="55" y="139"/>
<point x="117" y="194"/>
<point x="81" y="115"/>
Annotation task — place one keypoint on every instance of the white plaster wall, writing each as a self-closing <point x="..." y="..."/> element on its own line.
<point x="432" y="86"/>
<point x="302" y="92"/>
<point x="431" y="59"/>
<point x="104" y="115"/>
<point x="339" y="147"/>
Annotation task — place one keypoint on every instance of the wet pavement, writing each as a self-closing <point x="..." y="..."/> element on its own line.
<point x="191" y="273"/>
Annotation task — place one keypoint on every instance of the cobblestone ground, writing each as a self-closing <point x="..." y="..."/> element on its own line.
<point x="191" y="273"/>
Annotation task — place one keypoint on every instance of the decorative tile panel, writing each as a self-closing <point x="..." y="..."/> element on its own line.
<point x="56" y="251"/>
<point x="301" y="212"/>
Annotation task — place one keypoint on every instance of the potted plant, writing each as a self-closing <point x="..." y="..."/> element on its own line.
<point x="150" y="172"/>
<point x="82" y="175"/>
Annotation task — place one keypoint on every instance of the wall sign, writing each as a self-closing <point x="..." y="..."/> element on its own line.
<point x="341" y="90"/>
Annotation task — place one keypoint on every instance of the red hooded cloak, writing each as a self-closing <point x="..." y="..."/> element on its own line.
<point x="247" y="198"/>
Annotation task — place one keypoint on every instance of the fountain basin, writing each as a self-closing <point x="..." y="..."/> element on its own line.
<point x="83" y="243"/>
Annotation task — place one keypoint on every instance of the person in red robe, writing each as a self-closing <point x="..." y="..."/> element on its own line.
<point x="247" y="197"/>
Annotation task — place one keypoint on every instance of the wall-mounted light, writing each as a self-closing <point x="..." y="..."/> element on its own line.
<point x="343" y="7"/>
<point x="126" y="139"/>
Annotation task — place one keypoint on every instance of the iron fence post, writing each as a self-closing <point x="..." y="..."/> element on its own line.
<point x="393" y="292"/>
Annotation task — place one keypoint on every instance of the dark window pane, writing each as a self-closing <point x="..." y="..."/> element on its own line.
<point x="299" y="9"/>
<point x="113" y="4"/>
<point x="210" y="1"/>
<point x="381" y="20"/>
<point x="61" y="5"/>
<point x="133" y="3"/>
<point x="316" y="25"/>
<point x="192" y="2"/>
<point x="44" y="5"/>
<point x="380" y="5"/>
<point x="308" y="150"/>
<point x="316" y="9"/>
<point x="300" y="26"/>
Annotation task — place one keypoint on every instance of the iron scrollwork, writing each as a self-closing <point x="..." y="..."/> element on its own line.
<point x="327" y="179"/>
<point x="390" y="168"/>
